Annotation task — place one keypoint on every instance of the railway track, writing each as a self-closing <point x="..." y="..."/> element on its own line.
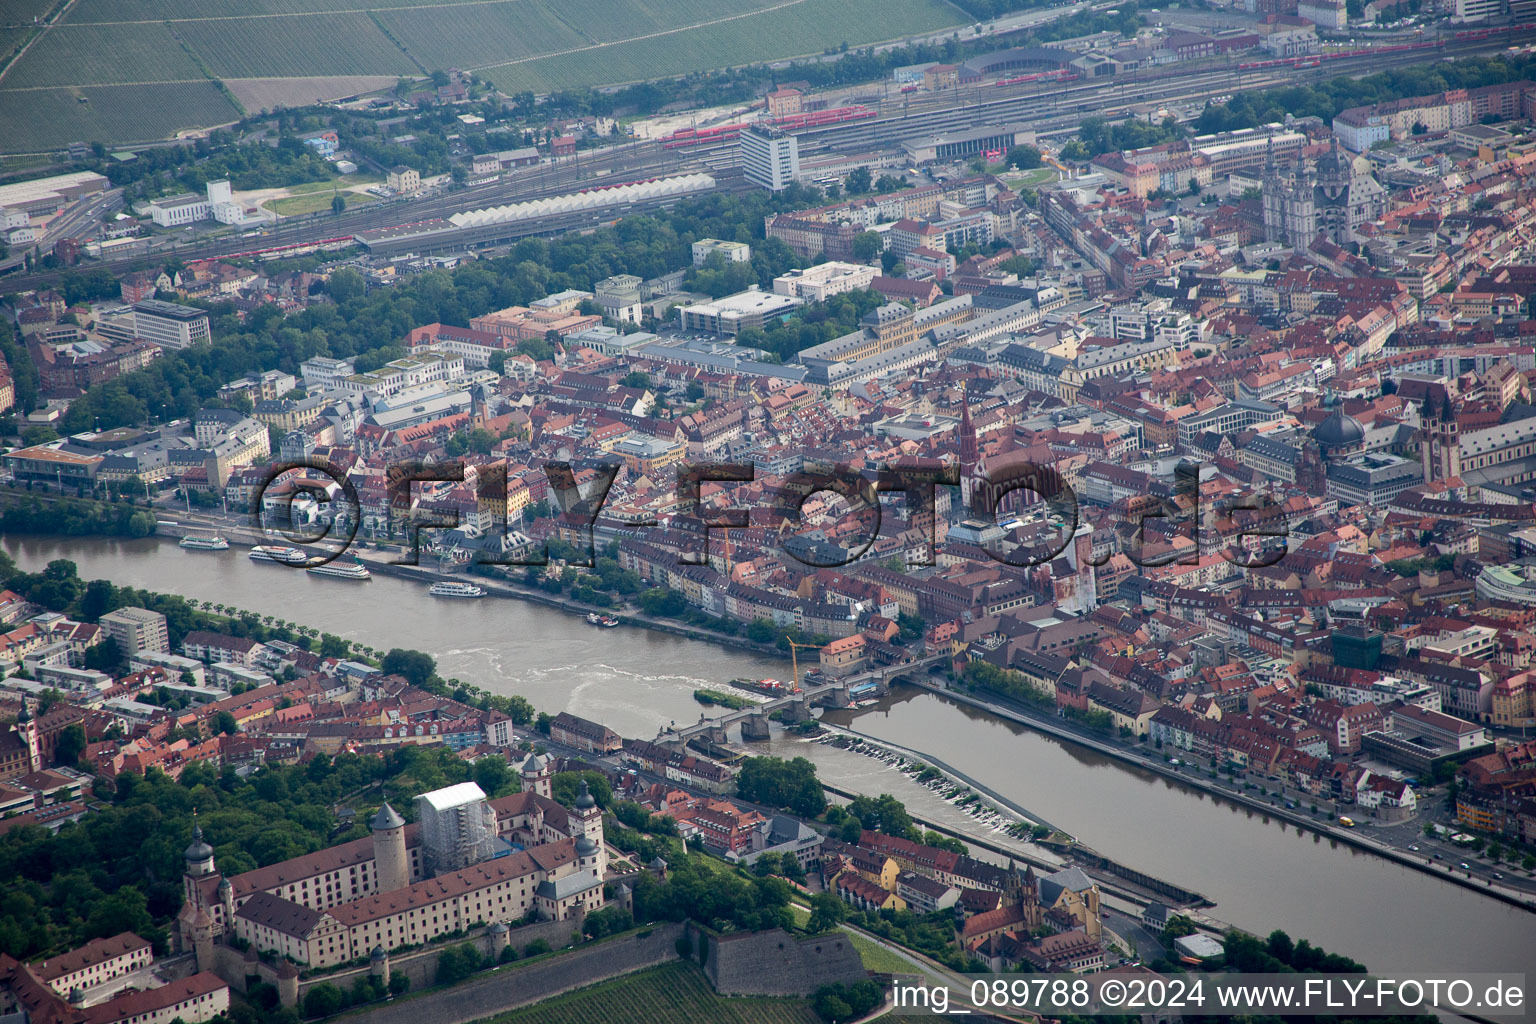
<point x="1050" y="108"/>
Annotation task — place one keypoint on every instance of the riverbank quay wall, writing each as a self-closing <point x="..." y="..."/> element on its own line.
<point x="1300" y="821"/>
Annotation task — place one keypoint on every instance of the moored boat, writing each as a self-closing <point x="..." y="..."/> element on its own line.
<point x="454" y="589"/>
<point x="276" y="553"/>
<point x="343" y="570"/>
<point x="214" y="543"/>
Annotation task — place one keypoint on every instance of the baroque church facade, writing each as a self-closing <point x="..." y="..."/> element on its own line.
<point x="1332" y="198"/>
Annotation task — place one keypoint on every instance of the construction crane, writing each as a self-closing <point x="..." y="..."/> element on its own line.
<point x="794" y="658"/>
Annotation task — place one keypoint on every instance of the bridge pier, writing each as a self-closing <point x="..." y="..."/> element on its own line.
<point x="797" y="709"/>
<point x="754" y="727"/>
<point x="715" y="735"/>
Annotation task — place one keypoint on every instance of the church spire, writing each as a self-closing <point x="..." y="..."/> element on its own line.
<point x="969" y="452"/>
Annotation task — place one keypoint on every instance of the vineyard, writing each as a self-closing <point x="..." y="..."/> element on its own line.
<point x="469" y="36"/>
<point x="327" y="44"/>
<point x="50" y="119"/>
<point x="809" y="26"/>
<point x="673" y="994"/>
<point x="102" y="55"/>
<point x="541" y="45"/>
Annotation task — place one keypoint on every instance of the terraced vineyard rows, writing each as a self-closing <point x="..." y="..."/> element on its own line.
<point x="102" y="55"/>
<point x="161" y="10"/>
<point x="50" y="119"/>
<point x="806" y="27"/>
<point x="331" y="44"/>
<point x="21" y="12"/>
<point x="605" y="22"/>
<point x="520" y="44"/>
<point x="676" y="993"/>
<point x="446" y="37"/>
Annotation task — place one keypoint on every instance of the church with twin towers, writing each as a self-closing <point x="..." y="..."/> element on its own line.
<point x="466" y="861"/>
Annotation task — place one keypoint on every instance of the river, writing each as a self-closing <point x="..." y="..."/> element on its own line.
<point x="1262" y="874"/>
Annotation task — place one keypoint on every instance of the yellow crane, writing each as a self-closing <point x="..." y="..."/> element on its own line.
<point x="794" y="658"/>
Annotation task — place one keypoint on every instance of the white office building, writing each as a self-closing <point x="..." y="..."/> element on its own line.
<point x="769" y="157"/>
<point x="169" y="324"/>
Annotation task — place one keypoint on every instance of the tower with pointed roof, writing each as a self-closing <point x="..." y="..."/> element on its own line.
<point x="536" y="776"/>
<point x="1440" y="442"/>
<point x="970" y="454"/>
<point x="587" y="830"/>
<point x="194" y="923"/>
<point x="391" y="862"/>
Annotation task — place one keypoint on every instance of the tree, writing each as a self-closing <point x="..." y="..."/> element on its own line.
<point x="858" y="181"/>
<point x="866" y="246"/>
<point x="71" y="744"/>
<point x="791" y="785"/>
<point x="345" y="285"/>
<point x="1025" y="158"/>
<point x="417" y="668"/>
<point x="323" y="1000"/>
<point x="338" y="203"/>
<point x="827" y="911"/>
<point x="1177" y="927"/>
<point x="831" y="1007"/>
<point x="457" y="963"/>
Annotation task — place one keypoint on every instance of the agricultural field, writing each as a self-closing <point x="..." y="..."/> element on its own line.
<point x="261" y="94"/>
<point x="289" y="52"/>
<point x="102" y="55"/>
<point x="806" y="27"/>
<point x="40" y="120"/>
<point x="676" y="993"/>
<point x="21" y="12"/>
<point x="301" y="46"/>
<point x="468" y="36"/>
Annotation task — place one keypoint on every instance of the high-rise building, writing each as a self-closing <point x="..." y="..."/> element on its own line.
<point x="770" y="157"/>
<point x="136" y="630"/>
<point x="458" y="827"/>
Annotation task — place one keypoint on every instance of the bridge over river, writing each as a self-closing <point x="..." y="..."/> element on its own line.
<point x="795" y="707"/>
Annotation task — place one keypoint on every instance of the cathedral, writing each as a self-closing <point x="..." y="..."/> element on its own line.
<point x="1333" y="198"/>
<point x="1062" y="907"/>
<point x="392" y="889"/>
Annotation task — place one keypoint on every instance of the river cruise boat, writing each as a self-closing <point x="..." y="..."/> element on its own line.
<point x="214" y="543"/>
<point x="276" y="553"/>
<point x="455" y="590"/>
<point x="344" y="570"/>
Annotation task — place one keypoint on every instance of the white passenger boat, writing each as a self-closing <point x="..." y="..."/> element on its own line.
<point x="276" y="553"/>
<point x="447" y="589"/>
<point x="344" y="570"/>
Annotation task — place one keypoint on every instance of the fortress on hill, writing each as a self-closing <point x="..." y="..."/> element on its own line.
<point x="466" y="861"/>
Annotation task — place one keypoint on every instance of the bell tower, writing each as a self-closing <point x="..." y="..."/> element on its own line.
<point x="968" y="451"/>
<point x="587" y="827"/>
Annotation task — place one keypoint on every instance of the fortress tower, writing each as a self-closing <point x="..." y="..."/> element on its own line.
<point x="391" y="862"/>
